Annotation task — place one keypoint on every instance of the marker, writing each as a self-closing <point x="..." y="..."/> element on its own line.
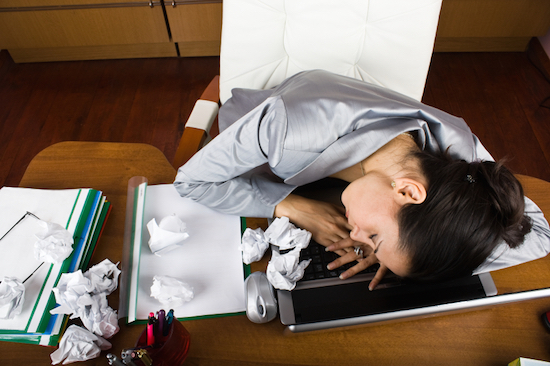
<point x="163" y="330"/>
<point x="169" y="321"/>
<point x="151" y="329"/>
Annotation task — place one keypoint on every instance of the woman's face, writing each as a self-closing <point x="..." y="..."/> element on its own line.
<point x="372" y="205"/>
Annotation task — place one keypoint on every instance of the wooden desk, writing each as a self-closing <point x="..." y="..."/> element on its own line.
<point x="492" y="336"/>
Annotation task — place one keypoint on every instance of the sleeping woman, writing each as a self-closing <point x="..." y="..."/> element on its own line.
<point x="424" y="197"/>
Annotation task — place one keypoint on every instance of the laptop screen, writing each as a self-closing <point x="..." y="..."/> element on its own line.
<point x="354" y="299"/>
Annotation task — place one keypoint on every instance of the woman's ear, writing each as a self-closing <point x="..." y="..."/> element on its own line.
<point x="409" y="190"/>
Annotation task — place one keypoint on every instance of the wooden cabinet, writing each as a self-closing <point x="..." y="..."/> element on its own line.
<point x="196" y="28"/>
<point x="50" y="30"/>
<point x="491" y="25"/>
<point x="35" y="30"/>
<point x="83" y="25"/>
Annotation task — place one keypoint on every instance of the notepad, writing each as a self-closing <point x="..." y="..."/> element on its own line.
<point x="209" y="260"/>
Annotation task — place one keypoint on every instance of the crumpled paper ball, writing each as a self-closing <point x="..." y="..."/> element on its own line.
<point x="285" y="235"/>
<point x="70" y="287"/>
<point x="54" y="245"/>
<point x="168" y="235"/>
<point x="253" y="245"/>
<point x="171" y="291"/>
<point x="78" y="344"/>
<point x="84" y="296"/>
<point x="12" y="296"/>
<point x="103" y="276"/>
<point x="96" y="315"/>
<point x="284" y="270"/>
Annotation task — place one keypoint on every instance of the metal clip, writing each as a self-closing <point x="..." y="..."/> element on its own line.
<point x="174" y="3"/>
<point x="133" y="354"/>
<point x="114" y="361"/>
<point x="144" y="357"/>
<point x="151" y="5"/>
<point x="127" y="355"/>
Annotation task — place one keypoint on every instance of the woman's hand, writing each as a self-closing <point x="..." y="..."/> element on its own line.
<point x="365" y="260"/>
<point x="330" y="228"/>
<point x="326" y="223"/>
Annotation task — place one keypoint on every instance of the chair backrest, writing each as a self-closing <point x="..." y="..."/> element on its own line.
<point x="384" y="42"/>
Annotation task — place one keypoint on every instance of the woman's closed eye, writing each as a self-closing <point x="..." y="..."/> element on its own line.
<point x="372" y="237"/>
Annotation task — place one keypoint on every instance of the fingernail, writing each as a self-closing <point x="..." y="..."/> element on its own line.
<point x="329" y="267"/>
<point x="327" y="249"/>
<point x="342" y="277"/>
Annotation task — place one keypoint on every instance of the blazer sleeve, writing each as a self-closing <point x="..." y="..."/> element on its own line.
<point x="231" y="174"/>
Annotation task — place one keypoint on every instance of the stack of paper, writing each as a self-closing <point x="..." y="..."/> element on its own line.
<point x="80" y="211"/>
<point x="209" y="260"/>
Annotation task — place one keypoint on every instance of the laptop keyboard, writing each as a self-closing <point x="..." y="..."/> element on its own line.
<point x="320" y="258"/>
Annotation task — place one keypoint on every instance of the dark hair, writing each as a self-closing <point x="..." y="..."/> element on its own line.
<point x="469" y="209"/>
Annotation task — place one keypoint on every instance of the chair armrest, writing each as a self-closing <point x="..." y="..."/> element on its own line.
<point x="199" y="125"/>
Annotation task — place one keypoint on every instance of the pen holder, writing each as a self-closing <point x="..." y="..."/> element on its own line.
<point x="172" y="349"/>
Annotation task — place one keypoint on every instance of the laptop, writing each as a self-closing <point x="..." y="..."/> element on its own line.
<point x="321" y="300"/>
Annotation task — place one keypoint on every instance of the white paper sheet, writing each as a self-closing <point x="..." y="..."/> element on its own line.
<point x="18" y="246"/>
<point x="210" y="260"/>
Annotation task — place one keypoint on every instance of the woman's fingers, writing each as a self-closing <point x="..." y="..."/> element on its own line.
<point x="362" y="264"/>
<point x="326" y="222"/>
<point x="345" y="243"/>
<point x="378" y="277"/>
<point x="342" y="246"/>
<point x="329" y="238"/>
<point x="332" y="233"/>
<point x="344" y="259"/>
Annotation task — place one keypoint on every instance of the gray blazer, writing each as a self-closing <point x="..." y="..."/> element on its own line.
<point x="315" y="124"/>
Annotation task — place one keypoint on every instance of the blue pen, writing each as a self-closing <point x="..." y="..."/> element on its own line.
<point x="163" y="330"/>
<point x="170" y="318"/>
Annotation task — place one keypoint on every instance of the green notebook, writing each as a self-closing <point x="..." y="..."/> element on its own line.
<point x="82" y="212"/>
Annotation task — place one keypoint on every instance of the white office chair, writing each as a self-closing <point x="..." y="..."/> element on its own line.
<point x="384" y="42"/>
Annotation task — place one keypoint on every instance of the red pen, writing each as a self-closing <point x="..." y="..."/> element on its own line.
<point x="150" y="329"/>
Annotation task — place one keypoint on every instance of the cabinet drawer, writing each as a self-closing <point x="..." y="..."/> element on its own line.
<point x="196" y="26"/>
<point x="494" y="18"/>
<point x="75" y="24"/>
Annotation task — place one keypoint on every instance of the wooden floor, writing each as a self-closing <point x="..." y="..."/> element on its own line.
<point x="149" y="100"/>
